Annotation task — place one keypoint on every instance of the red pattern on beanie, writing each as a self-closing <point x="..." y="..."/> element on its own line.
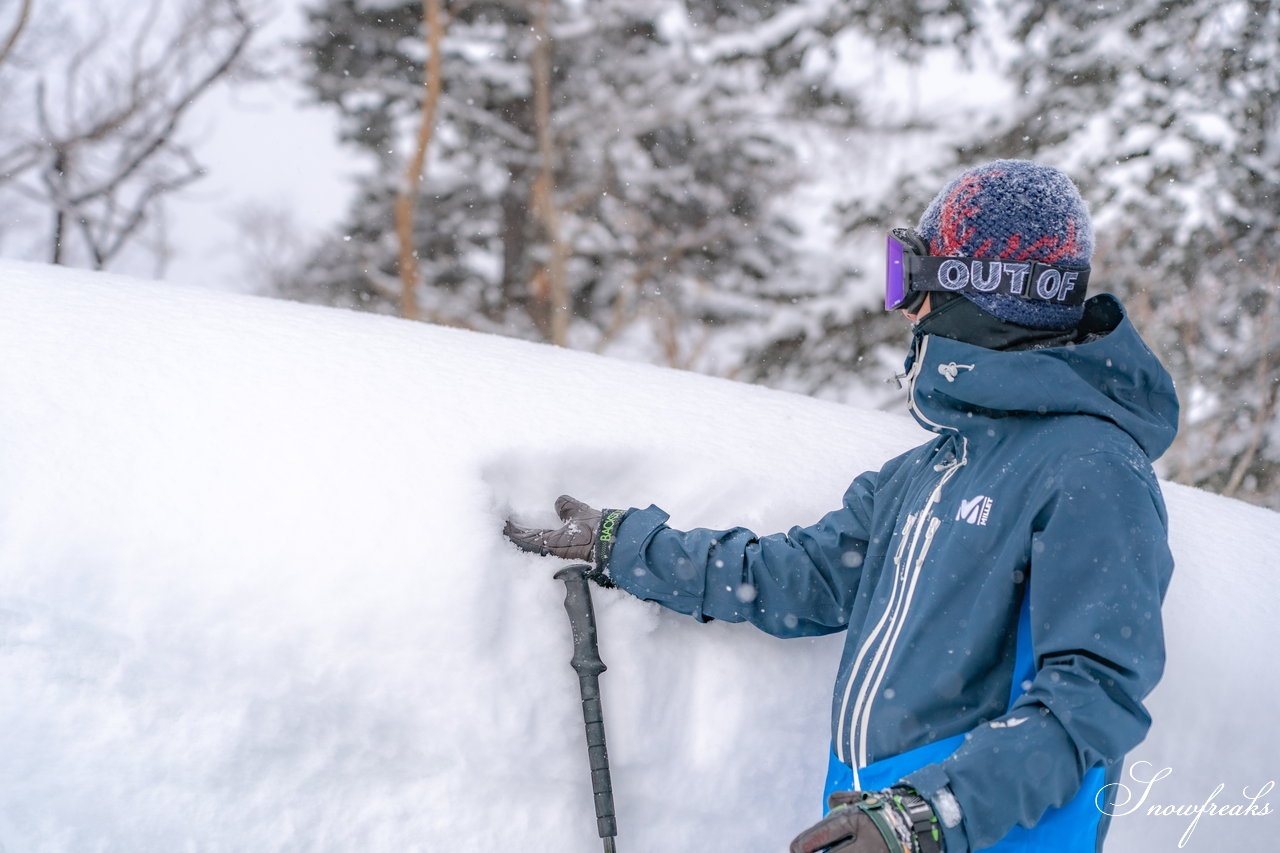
<point x="957" y="211"/>
<point x="1047" y="249"/>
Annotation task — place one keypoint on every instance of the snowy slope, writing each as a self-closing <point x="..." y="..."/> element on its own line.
<point x="253" y="594"/>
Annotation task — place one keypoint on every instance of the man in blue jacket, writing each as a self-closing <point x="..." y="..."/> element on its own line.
<point x="1001" y="585"/>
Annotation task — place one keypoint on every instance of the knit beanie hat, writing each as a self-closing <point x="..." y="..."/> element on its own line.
<point x="1013" y="210"/>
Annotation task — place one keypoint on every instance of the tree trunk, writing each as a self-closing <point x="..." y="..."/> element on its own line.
<point x="434" y="25"/>
<point x="553" y="285"/>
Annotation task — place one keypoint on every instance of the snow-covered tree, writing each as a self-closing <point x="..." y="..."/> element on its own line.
<point x="684" y="137"/>
<point x="1166" y="113"/>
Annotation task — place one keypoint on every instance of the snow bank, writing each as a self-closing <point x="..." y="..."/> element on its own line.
<point x="253" y="595"/>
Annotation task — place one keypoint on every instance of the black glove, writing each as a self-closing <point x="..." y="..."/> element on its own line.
<point x="894" y="821"/>
<point x="574" y="540"/>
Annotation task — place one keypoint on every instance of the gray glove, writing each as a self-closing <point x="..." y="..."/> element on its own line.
<point x="894" y="821"/>
<point x="574" y="540"/>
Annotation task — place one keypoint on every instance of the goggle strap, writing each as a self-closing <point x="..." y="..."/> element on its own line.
<point x="1052" y="283"/>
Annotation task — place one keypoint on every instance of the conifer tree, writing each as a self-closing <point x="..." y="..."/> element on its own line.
<point x="680" y="134"/>
<point x="1165" y="112"/>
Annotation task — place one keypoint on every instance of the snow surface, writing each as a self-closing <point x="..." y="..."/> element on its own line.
<point x="253" y="594"/>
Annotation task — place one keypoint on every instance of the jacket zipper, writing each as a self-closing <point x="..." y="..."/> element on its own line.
<point x="884" y="636"/>
<point x="844" y="745"/>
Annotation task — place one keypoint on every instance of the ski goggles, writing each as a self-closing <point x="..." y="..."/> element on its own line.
<point x="911" y="273"/>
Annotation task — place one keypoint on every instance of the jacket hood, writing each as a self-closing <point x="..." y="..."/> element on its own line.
<point x="1111" y="374"/>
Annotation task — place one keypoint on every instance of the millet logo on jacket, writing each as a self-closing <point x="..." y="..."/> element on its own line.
<point x="975" y="510"/>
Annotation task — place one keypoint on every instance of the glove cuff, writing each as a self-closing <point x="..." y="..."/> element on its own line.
<point x="606" y="536"/>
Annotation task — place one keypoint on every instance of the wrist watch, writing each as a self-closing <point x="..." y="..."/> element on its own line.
<point x="925" y="832"/>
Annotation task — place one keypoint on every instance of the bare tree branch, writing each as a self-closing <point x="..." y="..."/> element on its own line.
<point x="179" y="106"/>
<point x="119" y="235"/>
<point x="24" y="14"/>
<point x="80" y="57"/>
<point x="104" y="125"/>
<point x="14" y="163"/>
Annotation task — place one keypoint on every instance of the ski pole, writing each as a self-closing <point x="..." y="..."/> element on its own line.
<point x="586" y="662"/>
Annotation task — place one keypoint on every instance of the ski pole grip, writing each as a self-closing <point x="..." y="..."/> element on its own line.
<point x="582" y="619"/>
<point x="586" y="662"/>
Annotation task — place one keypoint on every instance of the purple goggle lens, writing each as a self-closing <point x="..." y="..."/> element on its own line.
<point x="895" y="276"/>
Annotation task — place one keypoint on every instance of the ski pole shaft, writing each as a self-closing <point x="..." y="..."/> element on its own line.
<point x="586" y="662"/>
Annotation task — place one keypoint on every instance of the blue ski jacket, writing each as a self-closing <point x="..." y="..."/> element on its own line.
<point x="1000" y="585"/>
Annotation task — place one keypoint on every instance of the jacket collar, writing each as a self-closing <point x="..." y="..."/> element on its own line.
<point x="1106" y="372"/>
